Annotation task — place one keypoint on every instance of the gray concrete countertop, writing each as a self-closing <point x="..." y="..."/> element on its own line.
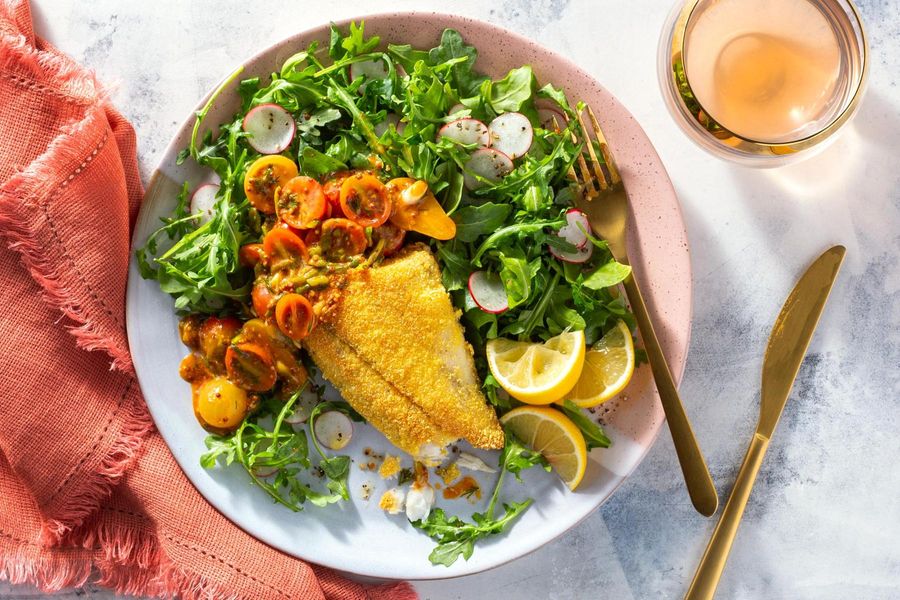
<point x="824" y="519"/>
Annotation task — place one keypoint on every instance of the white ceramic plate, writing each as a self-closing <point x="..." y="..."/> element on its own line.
<point x="358" y="537"/>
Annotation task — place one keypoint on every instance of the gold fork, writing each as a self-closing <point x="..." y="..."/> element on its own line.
<point x="604" y="201"/>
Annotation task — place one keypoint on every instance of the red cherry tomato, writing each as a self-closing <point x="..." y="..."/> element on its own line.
<point x="283" y="246"/>
<point x="301" y="202"/>
<point x="251" y="367"/>
<point x="393" y="237"/>
<point x="262" y="299"/>
<point x="342" y="239"/>
<point x="332" y="188"/>
<point x="365" y="201"/>
<point x="295" y="317"/>
<point x="251" y="255"/>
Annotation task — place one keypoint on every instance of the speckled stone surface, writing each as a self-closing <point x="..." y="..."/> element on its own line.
<point x="824" y="519"/>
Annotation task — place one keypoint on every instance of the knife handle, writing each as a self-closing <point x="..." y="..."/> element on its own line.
<point x="693" y="466"/>
<point x="703" y="587"/>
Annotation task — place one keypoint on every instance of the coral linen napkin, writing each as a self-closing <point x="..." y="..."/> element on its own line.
<point x="87" y="486"/>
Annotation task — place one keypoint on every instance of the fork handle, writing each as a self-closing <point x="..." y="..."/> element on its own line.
<point x="693" y="466"/>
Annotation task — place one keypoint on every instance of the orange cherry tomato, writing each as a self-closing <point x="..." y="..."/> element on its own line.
<point x="295" y="317"/>
<point x="251" y="255"/>
<point x="426" y="217"/>
<point x="342" y="239"/>
<point x="251" y="367"/>
<point x="283" y="247"/>
<point x="364" y="200"/>
<point x="301" y="202"/>
<point x="393" y="237"/>
<point x="262" y="299"/>
<point x="312" y="236"/>
<point x="264" y="176"/>
<point x="215" y="336"/>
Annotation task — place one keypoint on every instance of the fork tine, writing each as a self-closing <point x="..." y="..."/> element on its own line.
<point x="587" y="181"/>
<point x="604" y="148"/>
<point x="598" y="170"/>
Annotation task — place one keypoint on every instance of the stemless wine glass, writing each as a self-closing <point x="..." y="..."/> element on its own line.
<point x="763" y="82"/>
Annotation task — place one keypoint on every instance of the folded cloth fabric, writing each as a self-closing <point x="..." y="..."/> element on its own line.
<point x="87" y="486"/>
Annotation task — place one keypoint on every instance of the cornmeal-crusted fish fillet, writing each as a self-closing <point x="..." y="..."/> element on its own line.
<point x="397" y="319"/>
<point x="400" y="420"/>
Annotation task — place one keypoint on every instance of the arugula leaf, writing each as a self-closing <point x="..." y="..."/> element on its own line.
<point x="517" y="274"/>
<point x="315" y="164"/>
<point x="476" y="220"/>
<point x="463" y="76"/>
<point x="594" y="436"/>
<point x="607" y="275"/>
<point x="512" y="92"/>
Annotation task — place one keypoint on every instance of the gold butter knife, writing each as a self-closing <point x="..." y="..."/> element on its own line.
<point x="787" y="346"/>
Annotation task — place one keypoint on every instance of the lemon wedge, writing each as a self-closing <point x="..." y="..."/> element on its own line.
<point x="534" y="372"/>
<point x="551" y="433"/>
<point x="608" y="367"/>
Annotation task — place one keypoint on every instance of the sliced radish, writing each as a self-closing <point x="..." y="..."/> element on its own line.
<point x="271" y="128"/>
<point x="488" y="163"/>
<point x="579" y="255"/>
<point x="333" y="429"/>
<point x="370" y="69"/>
<point x="488" y="293"/>
<point x="466" y="131"/>
<point x="456" y="108"/>
<point x="263" y="472"/>
<point x="511" y="133"/>
<point x="390" y="119"/>
<point x="547" y="116"/>
<point x="203" y="201"/>
<point x="576" y="230"/>
<point x="302" y="407"/>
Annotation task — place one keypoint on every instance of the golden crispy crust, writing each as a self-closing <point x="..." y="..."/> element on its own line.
<point x="388" y="410"/>
<point x="397" y="318"/>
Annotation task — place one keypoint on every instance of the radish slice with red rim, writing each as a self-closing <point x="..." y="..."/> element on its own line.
<point x="303" y="406"/>
<point x="488" y="293"/>
<point x="489" y="163"/>
<point x="576" y="229"/>
<point x="333" y="429"/>
<point x="547" y="116"/>
<point x="203" y="202"/>
<point x="580" y="254"/>
<point x="511" y="134"/>
<point x="271" y="128"/>
<point x="466" y="131"/>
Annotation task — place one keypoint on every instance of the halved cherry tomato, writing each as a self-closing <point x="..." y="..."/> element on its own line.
<point x="251" y="255"/>
<point x="364" y="200"/>
<point x="283" y="247"/>
<point x="264" y="176"/>
<point x="220" y="405"/>
<point x="215" y="336"/>
<point x="426" y="217"/>
<point x="312" y="236"/>
<point x="251" y="366"/>
<point x="301" y="202"/>
<point x="342" y="239"/>
<point x="332" y="188"/>
<point x="392" y="236"/>
<point x="290" y="371"/>
<point x="295" y="317"/>
<point x="262" y="298"/>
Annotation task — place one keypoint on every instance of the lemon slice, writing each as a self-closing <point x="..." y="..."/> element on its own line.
<point x="534" y="372"/>
<point x="608" y="367"/>
<point x="551" y="433"/>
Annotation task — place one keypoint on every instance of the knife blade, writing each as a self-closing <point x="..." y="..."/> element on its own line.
<point x="787" y="346"/>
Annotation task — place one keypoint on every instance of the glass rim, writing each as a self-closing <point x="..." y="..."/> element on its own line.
<point x="679" y="28"/>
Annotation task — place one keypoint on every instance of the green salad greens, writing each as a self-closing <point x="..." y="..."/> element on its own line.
<point x="507" y="227"/>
